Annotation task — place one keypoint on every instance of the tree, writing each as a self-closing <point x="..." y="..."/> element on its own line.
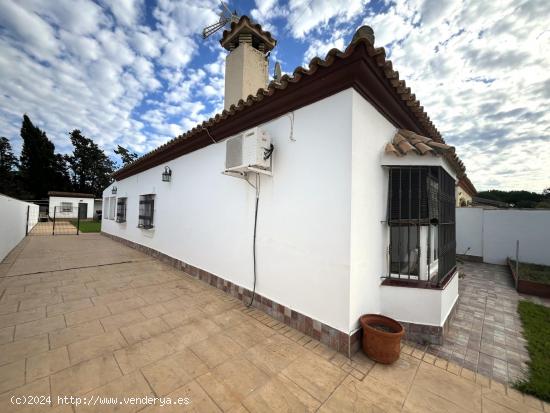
<point x="125" y="155"/>
<point x="8" y="165"/>
<point x="41" y="170"/>
<point x="90" y="168"/>
<point x="519" y="199"/>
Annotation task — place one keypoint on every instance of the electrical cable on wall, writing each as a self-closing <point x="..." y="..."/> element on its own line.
<point x="254" y="239"/>
<point x="267" y="154"/>
<point x="210" y="136"/>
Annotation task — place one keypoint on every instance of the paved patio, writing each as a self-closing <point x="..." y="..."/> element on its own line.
<point x="85" y="316"/>
<point x="47" y="228"/>
<point x="485" y="335"/>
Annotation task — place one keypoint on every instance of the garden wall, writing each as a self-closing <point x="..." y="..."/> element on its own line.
<point x="491" y="234"/>
<point x="13" y="224"/>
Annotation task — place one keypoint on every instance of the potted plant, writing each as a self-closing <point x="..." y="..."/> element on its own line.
<point x="381" y="338"/>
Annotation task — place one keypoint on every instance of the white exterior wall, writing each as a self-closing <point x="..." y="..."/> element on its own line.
<point x="369" y="235"/>
<point x="461" y="194"/>
<point x="14" y="221"/>
<point x="413" y="159"/>
<point x="501" y="228"/>
<point x="55" y="201"/>
<point x="469" y="231"/>
<point x="419" y="305"/>
<point x="303" y="237"/>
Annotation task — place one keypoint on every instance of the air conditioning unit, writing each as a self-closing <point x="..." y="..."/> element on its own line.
<point x="248" y="152"/>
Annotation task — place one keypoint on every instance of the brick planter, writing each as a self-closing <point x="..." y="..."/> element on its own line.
<point x="529" y="287"/>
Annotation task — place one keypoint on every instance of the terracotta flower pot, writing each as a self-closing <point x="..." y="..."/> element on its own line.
<point x="381" y="338"/>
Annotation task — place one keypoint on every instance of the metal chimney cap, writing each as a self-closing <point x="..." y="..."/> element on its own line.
<point x="364" y="32"/>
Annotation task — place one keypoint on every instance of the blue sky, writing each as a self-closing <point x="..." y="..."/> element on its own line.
<point x="138" y="73"/>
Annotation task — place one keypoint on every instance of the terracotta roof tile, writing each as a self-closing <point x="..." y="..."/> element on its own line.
<point x="405" y="141"/>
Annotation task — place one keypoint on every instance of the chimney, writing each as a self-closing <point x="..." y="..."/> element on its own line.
<point x="246" y="65"/>
<point x="364" y="32"/>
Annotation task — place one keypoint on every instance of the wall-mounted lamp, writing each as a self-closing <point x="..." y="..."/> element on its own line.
<point x="113" y="190"/>
<point x="167" y="174"/>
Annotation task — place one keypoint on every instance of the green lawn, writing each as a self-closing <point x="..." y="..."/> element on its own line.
<point x="533" y="272"/>
<point x="536" y="326"/>
<point x="88" y="226"/>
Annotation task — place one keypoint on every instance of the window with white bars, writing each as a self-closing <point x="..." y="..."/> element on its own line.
<point x="66" y="206"/>
<point x="121" y="210"/>
<point x="146" y="211"/>
<point x="421" y="219"/>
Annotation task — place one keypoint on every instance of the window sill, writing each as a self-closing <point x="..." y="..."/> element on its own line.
<point x="393" y="282"/>
<point x="146" y="227"/>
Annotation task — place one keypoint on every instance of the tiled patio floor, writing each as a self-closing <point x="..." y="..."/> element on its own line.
<point x="85" y="316"/>
<point x="486" y="334"/>
<point x="60" y="228"/>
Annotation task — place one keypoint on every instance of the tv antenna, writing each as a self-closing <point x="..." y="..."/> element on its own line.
<point x="277" y="75"/>
<point x="226" y="16"/>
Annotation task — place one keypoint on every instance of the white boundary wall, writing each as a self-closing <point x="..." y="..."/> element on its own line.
<point x="13" y="222"/>
<point x="492" y="234"/>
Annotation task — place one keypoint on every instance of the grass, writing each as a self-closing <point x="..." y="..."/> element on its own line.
<point x="536" y="326"/>
<point x="533" y="272"/>
<point x="88" y="226"/>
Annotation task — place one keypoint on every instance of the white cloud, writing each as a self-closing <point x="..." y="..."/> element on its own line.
<point x="146" y="42"/>
<point x="28" y="30"/>
<point x="178" y="54"/>
<point x="266" y="11"/>
<point x="478" y="69"/>
<point x="307" y="15"/>
<point x="320" y="47"/>
<point x="126" y="12"/>
<point x="89" y="66"/>
<point x="77" y="16"/>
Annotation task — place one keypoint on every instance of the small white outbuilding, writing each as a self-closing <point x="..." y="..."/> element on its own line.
<point x="70" y="205"/>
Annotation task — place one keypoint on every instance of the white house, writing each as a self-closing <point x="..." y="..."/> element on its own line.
<point x="465" y="192"/>
<point x="351" y="211"/>
<point x="70" y="205"/>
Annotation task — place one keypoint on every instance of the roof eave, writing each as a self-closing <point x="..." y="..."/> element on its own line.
<point x="361" y="67"/>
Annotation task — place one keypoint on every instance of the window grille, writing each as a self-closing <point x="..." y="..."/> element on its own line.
<point x="66" y="207"/>
<point x="421" y="219"/>
<point x="121" y="210"/>
<point x="146" y="211"/>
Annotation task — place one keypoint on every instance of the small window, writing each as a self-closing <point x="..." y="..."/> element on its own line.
<point x="66" y="207"/>
<point x="146" y="211"/>
<point x="121" y="210"/>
